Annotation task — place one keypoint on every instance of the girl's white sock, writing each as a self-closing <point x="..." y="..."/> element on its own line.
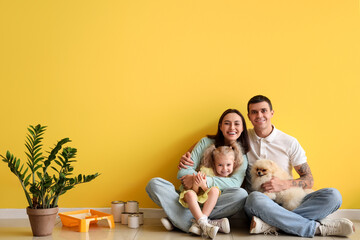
<point x="203" y="220"/>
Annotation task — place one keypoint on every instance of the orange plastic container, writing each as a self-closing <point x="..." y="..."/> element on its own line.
<point x="83" y="218"/>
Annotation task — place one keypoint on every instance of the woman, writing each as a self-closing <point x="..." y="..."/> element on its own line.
<point x="231" y="128"/>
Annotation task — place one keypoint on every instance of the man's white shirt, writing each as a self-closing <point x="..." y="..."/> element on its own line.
<point x="283" y="149"/>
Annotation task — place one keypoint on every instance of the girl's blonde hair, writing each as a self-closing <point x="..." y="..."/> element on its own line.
<point x="212" y="151"/>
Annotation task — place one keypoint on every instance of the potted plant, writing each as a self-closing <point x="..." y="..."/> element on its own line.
<point x="45" y="178"/>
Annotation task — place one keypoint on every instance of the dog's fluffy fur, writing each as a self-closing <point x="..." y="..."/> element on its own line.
<point x="263" y="170"/>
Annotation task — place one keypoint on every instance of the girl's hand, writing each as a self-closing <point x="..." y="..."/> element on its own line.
<point x="202" y="180"/>
<point x="198" y="178"/>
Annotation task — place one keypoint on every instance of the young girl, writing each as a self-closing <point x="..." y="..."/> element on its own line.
<point x="222" y="161"/>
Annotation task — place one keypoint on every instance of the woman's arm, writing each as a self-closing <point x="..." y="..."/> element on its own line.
<point x="234" y="181"/>
<point x="196" y="155"/>
<point x="185" y="175"/>
<point x="185" y="159"/>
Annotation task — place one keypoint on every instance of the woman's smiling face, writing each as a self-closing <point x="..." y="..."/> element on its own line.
<point x="231" y="127"/>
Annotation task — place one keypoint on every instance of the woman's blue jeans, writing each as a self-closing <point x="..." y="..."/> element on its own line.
<point x="302" y="220"/>
<point x="163" y="193"/>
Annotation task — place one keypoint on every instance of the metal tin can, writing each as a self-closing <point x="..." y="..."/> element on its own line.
<point x="141" y="217"/>
<point x="124" y="217"/>
<point x="117" y="207"/>
<point x="132" y="206"/>
<point x="133" y="221"/>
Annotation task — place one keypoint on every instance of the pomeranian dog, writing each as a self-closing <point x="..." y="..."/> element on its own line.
<point x="263" y="170"/>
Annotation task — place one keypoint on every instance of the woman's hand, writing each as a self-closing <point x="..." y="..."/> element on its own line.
<point x="185" y="161"/>
<point x="187" y="181"/>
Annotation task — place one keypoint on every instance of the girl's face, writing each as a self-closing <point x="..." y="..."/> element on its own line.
<point x="224" y="164"/>
<point x="231" y="127"/>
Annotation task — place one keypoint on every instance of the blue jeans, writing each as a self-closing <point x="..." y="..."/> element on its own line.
<point x="302" y="220"/>
<point x="163" y="193"/>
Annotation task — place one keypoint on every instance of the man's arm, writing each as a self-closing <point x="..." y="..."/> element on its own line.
<point x="304" y="181"/>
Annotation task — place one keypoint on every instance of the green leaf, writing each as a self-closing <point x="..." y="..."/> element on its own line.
<point x="28" y="146"/>
<point x="37" y="167"/>
<point x="26" y="181"/>
<point x="25" y="170"/>
<point x="8" y="155"/>
<point x="57" y="162"/>
<point x="17" y="164"/>
<point x="38" y="156"/>
<point x="39" y="176"/>
<point x="37" y="149"/>
<point x="28" y="155"/>
<point x="31" y="131"/>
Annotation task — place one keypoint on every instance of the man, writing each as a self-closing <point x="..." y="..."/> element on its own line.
<point x="309" y="218"/>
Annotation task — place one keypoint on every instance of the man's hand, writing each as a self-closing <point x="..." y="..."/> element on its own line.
<point x="276" y="185"/>
<point x="187" y="181"/>
<point x="185" y="161"/>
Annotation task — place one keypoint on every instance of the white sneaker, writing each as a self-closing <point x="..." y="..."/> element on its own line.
<point x="223" y="224"/>
<point x="166" y="223"/>
<point x="259" y="226"/>
<point x="209" y="230"/>
<point x="195" y="228"/>
<point x="336" y="227"/>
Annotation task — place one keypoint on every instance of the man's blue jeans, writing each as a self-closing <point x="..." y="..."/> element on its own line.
<point x="302" y="220"/>
<point x="163" y="193"/>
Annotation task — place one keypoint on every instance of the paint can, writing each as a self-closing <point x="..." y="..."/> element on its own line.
<point x="141" y="217"/>
<point x="132" y="206"/>
<point x="117" y="207"/>
<point x="125" y="217"/>
<point x="133" y="221"/>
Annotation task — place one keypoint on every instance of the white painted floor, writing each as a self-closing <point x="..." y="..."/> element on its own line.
<point x="152" y="230"/>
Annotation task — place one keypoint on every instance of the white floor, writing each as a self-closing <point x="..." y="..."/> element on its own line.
<point x="152" y="230"/>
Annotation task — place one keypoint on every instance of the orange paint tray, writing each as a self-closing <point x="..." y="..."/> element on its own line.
<point x="83" y="218"/>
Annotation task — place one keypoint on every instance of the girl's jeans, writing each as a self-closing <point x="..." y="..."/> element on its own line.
<point x="163" y="193"/>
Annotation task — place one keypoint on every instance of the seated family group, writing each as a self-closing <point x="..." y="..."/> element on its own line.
<point x="260" y="159"/>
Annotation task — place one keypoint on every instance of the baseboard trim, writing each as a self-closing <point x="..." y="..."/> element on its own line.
<point x="353" y="214"/>
<point x="13" y="213"/>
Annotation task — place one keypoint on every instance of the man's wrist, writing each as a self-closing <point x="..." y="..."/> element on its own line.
<point x="290" y="183"/>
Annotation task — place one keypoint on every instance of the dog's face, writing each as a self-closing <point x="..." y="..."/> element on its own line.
<point x="261" y="171"/>
<point x="262" y="168"/>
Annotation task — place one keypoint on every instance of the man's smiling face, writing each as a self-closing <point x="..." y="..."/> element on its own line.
<point x="260" y="115"/>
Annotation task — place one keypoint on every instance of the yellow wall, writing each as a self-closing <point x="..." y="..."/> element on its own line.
<point x="135" y="83"/>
